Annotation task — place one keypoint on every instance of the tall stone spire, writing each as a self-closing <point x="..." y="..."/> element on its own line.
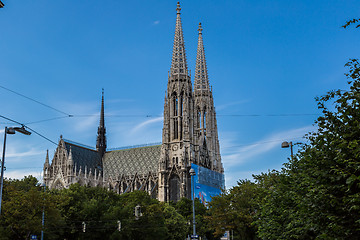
<point x="207" y="152"/>
<point x="201" y="81"/>
<point x="174" y="163"/>
<point x="101" y="137"/>
<point x="178" y="64"/>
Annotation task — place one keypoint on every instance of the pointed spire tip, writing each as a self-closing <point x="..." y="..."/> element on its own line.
<point x="178" y="9"/>
<point x="200" y="28"/>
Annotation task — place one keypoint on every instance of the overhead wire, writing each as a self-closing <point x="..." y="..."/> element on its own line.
<point x="31" y="99"/>
<point x="124" y="115"/>
<point x="9" y="119"/>
<point x="150" y="115"/>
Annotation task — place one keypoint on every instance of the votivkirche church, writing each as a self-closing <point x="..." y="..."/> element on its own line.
<point x="189" y="140"/>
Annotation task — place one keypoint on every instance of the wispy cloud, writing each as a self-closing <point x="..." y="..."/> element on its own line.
<point x="230" y="104"/>
<point x="86" y="123"/>
<point x="145" y="124"/>
<point x="31" y="152"/>
<point x="156" y="22"/>
<point x="237" y="154"/>
<point x="119" y="100"/>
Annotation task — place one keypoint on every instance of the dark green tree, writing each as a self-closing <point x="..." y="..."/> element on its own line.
<point x="235" y="210"/>
<point x="184" y="207"/>
<point x="317" y="194"/>
<point x="23" y="204"/>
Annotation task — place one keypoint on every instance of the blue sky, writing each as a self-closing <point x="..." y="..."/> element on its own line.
<point x="264" y="58"/>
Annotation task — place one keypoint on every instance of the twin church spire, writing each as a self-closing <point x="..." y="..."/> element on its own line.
<point x="190" y="129"/>
<point x="179" y="63"/>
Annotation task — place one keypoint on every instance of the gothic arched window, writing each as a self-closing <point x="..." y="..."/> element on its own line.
<point x="199" y="118"/>
<point x="205" y="119"/>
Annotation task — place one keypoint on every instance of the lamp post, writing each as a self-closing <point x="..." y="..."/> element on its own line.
<point x="10" y="130"/>
<point x="43" y="215"/>
<point x="192" y="174"/>
<point x="286" y="144"/>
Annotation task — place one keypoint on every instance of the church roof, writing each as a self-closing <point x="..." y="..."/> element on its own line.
<point x="83" y="156"/>
<point x="141" y="160"/>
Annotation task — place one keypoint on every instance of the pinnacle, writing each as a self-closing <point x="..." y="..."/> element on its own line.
<point x="101" y="138"/>
<point x="201" y="81"/>
<point x="178" y="63"/>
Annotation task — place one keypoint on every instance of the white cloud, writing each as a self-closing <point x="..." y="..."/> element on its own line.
<point x="156" y="22"/>
<point x="85" y="124"/>
<point x="237" y="155"/>
<point x="31" y="152"/>
<point x="19" y="174"/>
<point x="145" y="124"/>
<point x="226" y="105"/>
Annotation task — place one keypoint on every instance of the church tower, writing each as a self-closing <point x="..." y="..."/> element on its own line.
<point x="206" y="141"/>
<point x="101" y="137"/>
<point x="177" y="138"/>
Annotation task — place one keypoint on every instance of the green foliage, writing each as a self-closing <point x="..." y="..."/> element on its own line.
<point x="175" y="223"/>
<point x="351" y="22"/>
<point x="184" y="207"/>
<point x="317" y="194"/>
<point x="235" y="210"/>
<point x="22" y="206"/>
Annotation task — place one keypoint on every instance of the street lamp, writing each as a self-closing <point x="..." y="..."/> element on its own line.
<point x="10" y="130"/>
<point x="286" y="145"/>
<point x="192" y="174"/>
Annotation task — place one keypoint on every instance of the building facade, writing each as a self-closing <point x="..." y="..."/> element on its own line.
<point x="189" y="136"/>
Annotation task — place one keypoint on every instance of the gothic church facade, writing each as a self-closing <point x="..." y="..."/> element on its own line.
<point x="189" y="136"/>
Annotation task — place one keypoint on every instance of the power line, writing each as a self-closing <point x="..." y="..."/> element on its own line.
<point x="270" y="141"/>
<point x="47" y="120"/>
<point x="150" y="115"/>
<point x="9" y="119"/>
<point x="31" y="99"/>
<point x="40" y="135"/>
<point x="269" y="115"/>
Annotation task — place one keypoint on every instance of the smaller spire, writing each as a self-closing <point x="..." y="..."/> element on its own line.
<point x="101" y="137"/>
<point x="70" y="160"/>
<point x="201" y="82"/>
<point x="47" y="158"/>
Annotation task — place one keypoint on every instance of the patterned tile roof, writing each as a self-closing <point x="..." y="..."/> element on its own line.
<point x="83" y="156"/>
<point x="140" y="160"/>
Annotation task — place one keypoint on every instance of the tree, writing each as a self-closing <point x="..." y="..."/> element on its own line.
<point x="175" y="223"/>
<point x="235" y="210"/>
<point x="351" y="22"/>
<point x="23" y="203"/>
<point x="184" y="207"/>
<point x="317" y="194"/>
